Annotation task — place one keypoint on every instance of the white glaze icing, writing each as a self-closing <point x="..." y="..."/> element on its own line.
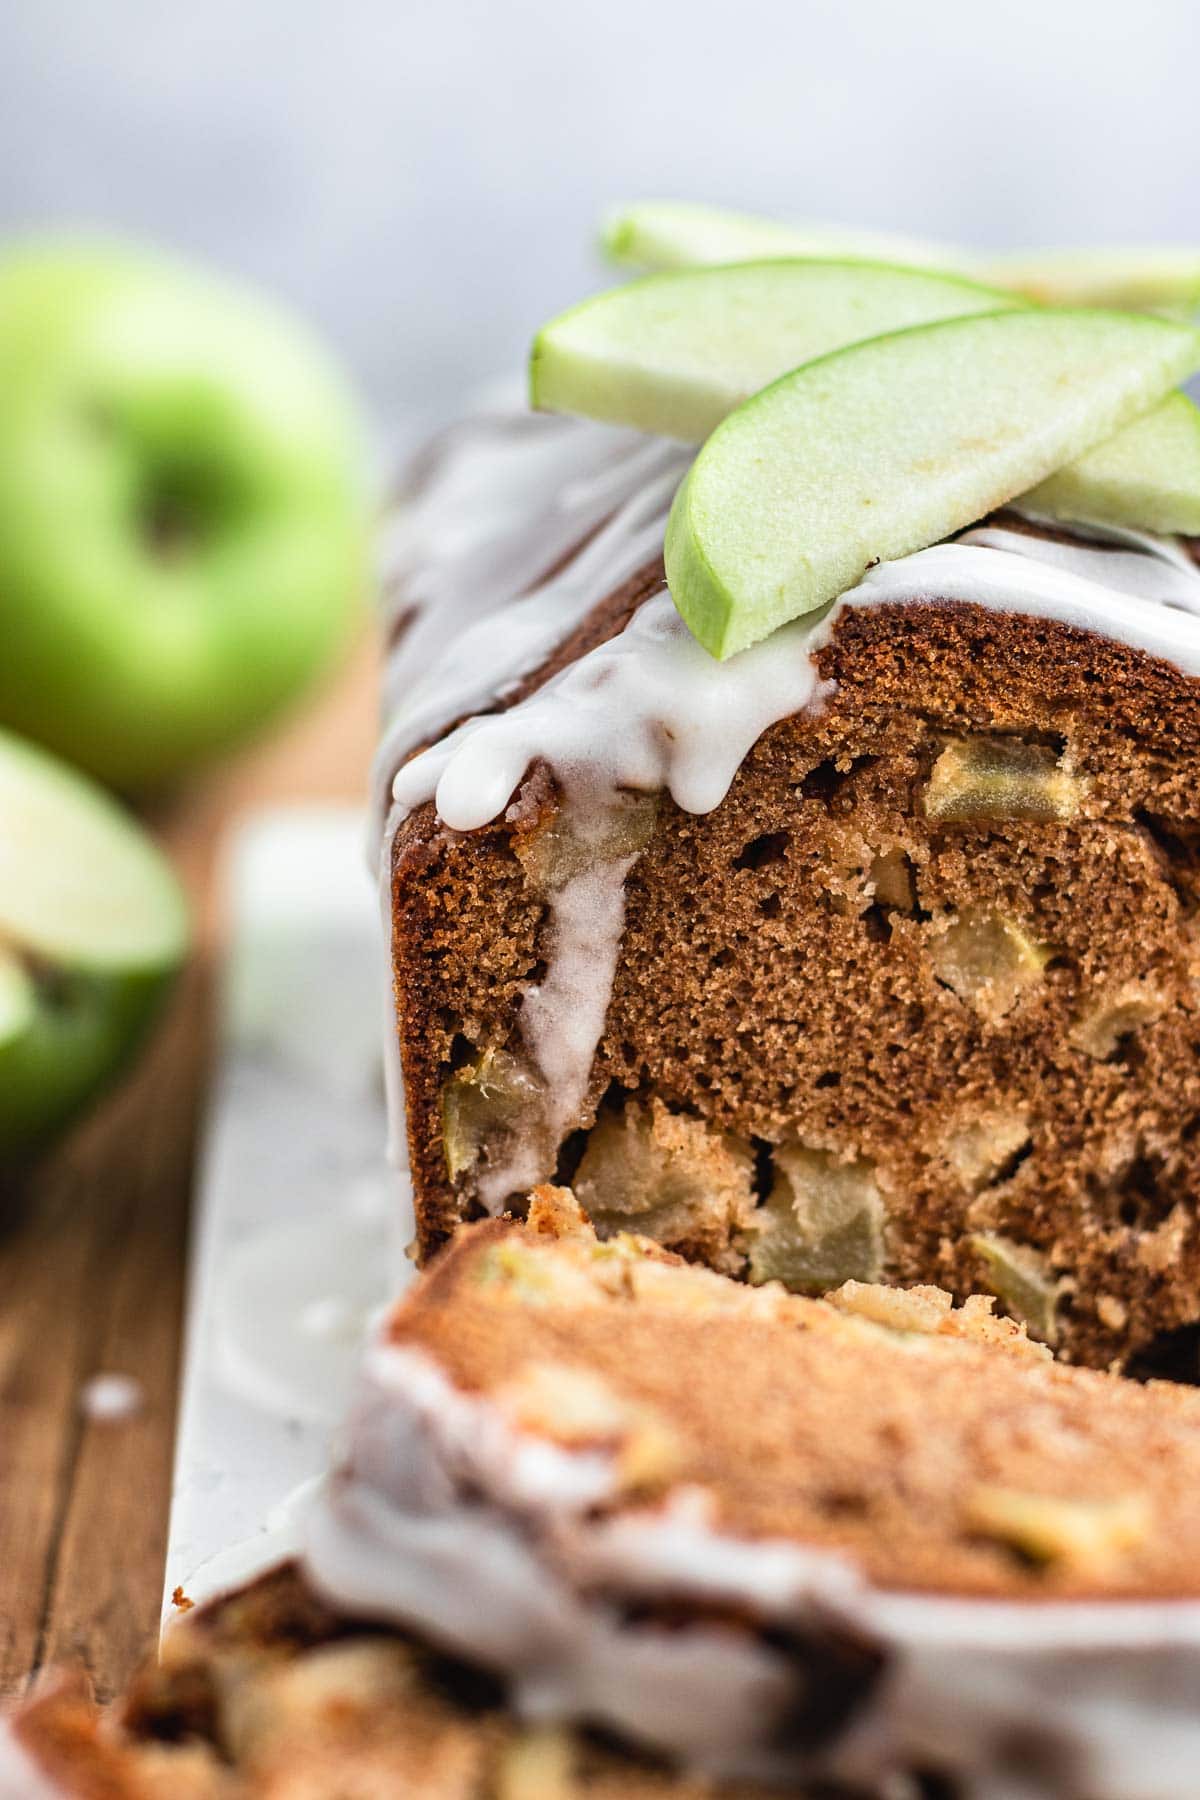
<point x="447" y="1518"/>
<point x="650" y="709"/>
<point x="1028" y="1723"/>
<point x="487" y="508"/>
<point x="393" y="1537"/>
<point x="477" y="1590"/>
<point x="1134" y="562"/>
<point x="510" y="494"/>
<point x="476" y="634"/>
<point x="562" y="1020"/>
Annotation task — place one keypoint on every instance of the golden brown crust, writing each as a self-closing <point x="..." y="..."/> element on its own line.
<point x="765" y="989"/>
<point x="928" y="1444"/>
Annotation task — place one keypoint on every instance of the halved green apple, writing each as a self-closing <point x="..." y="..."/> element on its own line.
<point x="1148" y="475"/>
<point x="676" y="234"/>
<point x="665" y="234"/>
<point x="93" y="926"/>
<point x="892" y="444"/>
<point x="676" y="353"/>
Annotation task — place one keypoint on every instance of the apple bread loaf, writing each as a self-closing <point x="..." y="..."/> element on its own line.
<point x="871" y="953"/>
<point x="854" y="1538"/>
<point x="793" y="845"/>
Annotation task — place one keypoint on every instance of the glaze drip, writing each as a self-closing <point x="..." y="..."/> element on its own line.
<point x="507" y="637"/>
<point x="562" y="1021"/>
<point x="651" y="709"/>
<point x="394" y="1537"/>
<point x="489" y="508"/>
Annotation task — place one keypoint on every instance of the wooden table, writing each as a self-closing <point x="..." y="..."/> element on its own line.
<point x="92" y="1269"/>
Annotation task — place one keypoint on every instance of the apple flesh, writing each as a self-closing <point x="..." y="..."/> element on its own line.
<point x="893" y="444"/>
<point x="1135" y="280"/>
<point x="1146" y="476"/>
<point x="93" y="928"/>
<point x="664" y="234"/>
<point x="676" y="353"/>
<point x="183" y="517"/>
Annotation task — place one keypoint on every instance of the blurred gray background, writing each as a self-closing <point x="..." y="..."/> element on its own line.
<point x="424" y="179"/>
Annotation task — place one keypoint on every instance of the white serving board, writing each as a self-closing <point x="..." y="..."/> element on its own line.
<point x="300" y="1224"/>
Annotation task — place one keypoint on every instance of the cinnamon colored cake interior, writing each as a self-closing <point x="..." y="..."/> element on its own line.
<point x="916" y="1001"/>
<point x="922" y="1440"/>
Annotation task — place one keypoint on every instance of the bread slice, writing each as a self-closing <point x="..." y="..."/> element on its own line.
<point x="774" y="1536"/>
<point x="268" y="1694"/>
<point x="609" y="1525"/>
<point x="913" y="1000"/>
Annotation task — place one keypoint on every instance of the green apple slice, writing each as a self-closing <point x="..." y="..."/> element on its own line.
<point x="892" y="444"/>
<point x="675" y="234"/>
<point x="676" y="353"/>
<point x="1151" y="279"/>
<point x="664" y="234"/>
<point x="93" y="926"/>
<point x="1147" y="475"/>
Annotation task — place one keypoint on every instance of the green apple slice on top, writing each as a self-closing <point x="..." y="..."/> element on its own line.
<point x="666" y="234"/>
<point x="676" y="353"/>
<point x="1148" y="476"/>
<point x="1151" y="279"/>
<point x="893" y="444"/>
<point x="678" y="234"/>
<point x="93" y="927"/>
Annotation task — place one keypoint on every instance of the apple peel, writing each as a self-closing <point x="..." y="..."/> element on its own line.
<point x="93" y="927"/>
<point x="670" y="234"/>
<point x="893" y="444"/>
<point x="680" y="234"/>
<point x="676" y="353"/>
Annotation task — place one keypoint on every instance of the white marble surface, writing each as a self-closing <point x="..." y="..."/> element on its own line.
<point x="300" y="1225"/>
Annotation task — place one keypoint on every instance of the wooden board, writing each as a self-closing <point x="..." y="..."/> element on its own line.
<point x="92" y="1264"/>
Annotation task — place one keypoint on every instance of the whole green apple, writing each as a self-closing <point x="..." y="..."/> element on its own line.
<point x="93" y="927"/>
<point x="183" y="509"/>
